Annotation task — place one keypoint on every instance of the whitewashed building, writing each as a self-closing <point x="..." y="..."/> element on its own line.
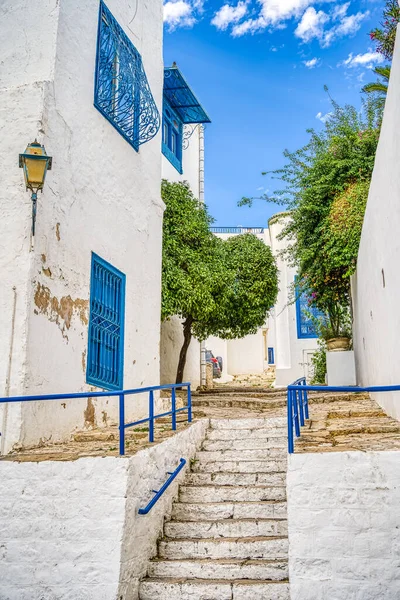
<point x="183" y="160"/>
<point x="376" y="285"/>
<point x="80" y="300"/>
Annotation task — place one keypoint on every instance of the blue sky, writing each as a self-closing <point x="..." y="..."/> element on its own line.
<point x="259" y="68"/>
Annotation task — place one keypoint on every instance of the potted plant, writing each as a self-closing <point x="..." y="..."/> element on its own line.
<point x="336" y="329"/>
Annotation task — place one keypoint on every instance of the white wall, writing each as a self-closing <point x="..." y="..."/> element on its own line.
<point x="70" y="530"/>
<point x="376" y="286"/>
<point x="170" y="347"/>
<point x="246" y="355"/>
<point x="100" y="196"/>
<point x="344" y="536"/>
<point x="291" y="352"/>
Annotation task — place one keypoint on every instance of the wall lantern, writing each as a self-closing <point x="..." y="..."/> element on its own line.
<point x="35" y="163"/>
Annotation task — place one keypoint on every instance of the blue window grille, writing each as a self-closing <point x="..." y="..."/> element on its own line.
<point x="271" y="356"/>
<point x="122" y="93"/>
<point x="105" y="361"/>
<point x="305" y="315"/>
<point x="172" y="137"/>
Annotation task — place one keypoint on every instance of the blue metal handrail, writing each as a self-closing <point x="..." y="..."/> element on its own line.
<point x="121" y="395"/>
<point x="297" y="402"/>
<point x="159" y="493"/>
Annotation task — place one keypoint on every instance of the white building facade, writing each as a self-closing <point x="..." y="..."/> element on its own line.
<point x="80" y="300"/>
<point x="376" y="285"/>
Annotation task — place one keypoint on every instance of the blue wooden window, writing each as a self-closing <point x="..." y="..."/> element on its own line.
<point x="105" y="361"/>
<point x="271" y="356"/>
<point x="172" y="137"/>
<point x="122" y="93"/>
<point x="304" y="313"/>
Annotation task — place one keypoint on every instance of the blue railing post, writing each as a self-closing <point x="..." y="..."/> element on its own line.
<point x="151" y="416"/>
<point x="290" y="422"/>
<point x="295" y="406"/>
<point x="122" y="424"/>
<point x="189" y="401"/>
<point x="299" y="394"/>
<point x="305" y="396"/>
<point x="173" y="408"/>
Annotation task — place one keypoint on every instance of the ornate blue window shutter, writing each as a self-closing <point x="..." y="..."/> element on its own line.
<point x="122" y="93"/>
<point x="172" y="136"/>
<point x="105" y="359"/>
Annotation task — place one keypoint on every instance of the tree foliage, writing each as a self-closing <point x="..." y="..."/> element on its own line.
<point x="325" y="187"/>
<point x="385" y="35"/>
<point x="222" y="288"/>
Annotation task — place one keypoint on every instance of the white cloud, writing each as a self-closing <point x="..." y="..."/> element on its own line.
<point x="367" y="60"/>
<point x="310" y="64"/>
<point x="178" y="14"/>
<point x="249" y="26"/>
<point x="349" y="25"/>
<point x="323" y="118"/>
<point x="311" y="25"/>
<point x="228" y="14"/>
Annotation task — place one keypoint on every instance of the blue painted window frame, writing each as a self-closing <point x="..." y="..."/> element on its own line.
<point x="105" y="356"/>
<point x="121" y="91"/>
<point x="271" y="356"/>
<point x="172" y="129"/>
<point x="305" y="326"/>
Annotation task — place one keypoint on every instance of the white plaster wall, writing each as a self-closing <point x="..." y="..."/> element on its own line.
<point x="101" y="196"/>
<point x="246" y="355"/>
<point x="290" y="351"/>
<point x="170" y="347"/>
<point x="376" y="286"/>
<point x="70" y="530"/>
<point x="344" y="536"/>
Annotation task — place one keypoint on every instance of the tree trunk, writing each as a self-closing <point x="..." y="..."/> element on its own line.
<point x="187" y="336"/>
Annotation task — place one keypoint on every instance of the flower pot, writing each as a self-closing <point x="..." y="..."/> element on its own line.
<point x="339" y="344"/>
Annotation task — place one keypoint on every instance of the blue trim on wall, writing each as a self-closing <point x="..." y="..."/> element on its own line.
<point x="105" y="366"/>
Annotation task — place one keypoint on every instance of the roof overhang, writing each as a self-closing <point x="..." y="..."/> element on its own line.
<point x="182" y="99"/>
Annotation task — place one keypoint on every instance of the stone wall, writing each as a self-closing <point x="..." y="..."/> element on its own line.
<point x="344" y="536"/>
<point x="71" y="530"/>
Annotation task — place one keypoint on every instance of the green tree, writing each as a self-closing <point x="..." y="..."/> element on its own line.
<point x="216" y="287"/>
<point x="324" y="183"/>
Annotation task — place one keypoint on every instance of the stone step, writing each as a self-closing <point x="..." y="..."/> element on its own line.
<point x="228" y="528"/>
<point x="254" y="547"/>
<point x="251" y="404"/>
<point x="245" y="444"/>
<point x="249" y="423"/>
<point x="245" y="479"/>
<point x="239" y="466"/>
<point x="250" y="434"/>
<point x="230" y="493"/>
<point x="228" y="510"/>
<point x="242" y="455"/>
<point x="167" y="589"/>
<point x="226" y="569"/>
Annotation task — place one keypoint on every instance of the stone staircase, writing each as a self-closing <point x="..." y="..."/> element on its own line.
<point x="227" y="539"/>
